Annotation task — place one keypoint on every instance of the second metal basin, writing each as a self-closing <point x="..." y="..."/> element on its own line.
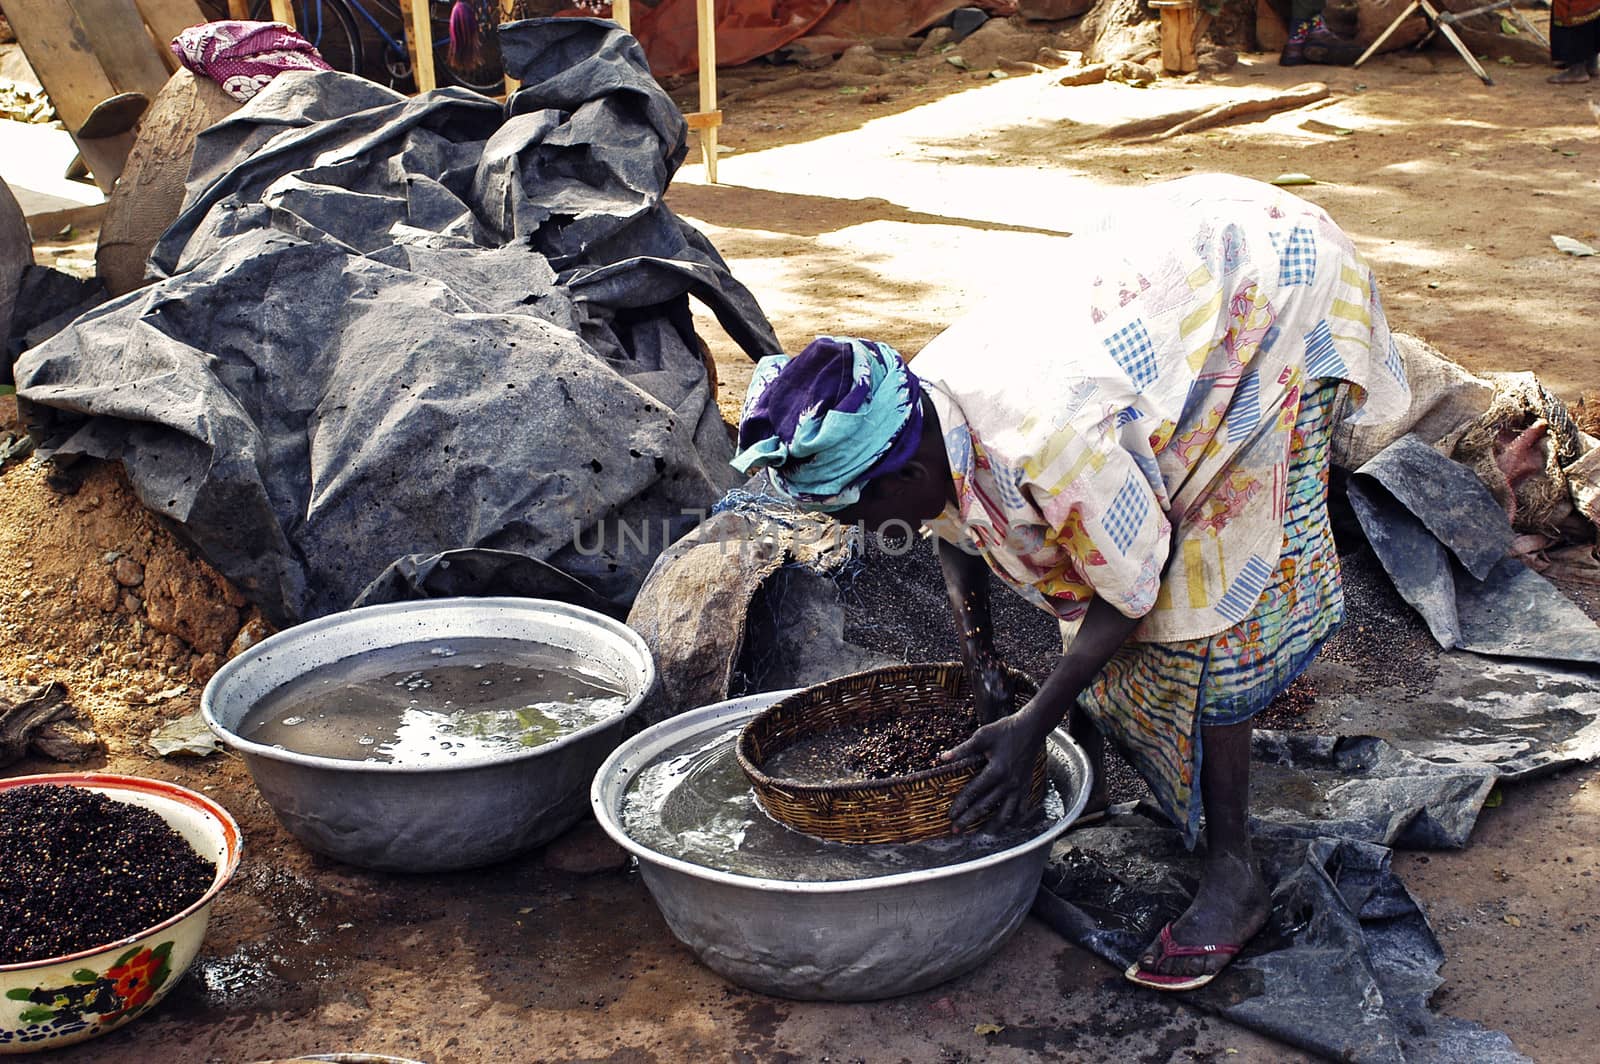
<point x="412" y="818"/>
<point x="845" y="940"/>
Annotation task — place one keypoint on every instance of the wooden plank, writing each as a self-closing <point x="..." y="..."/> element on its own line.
<point x="239" y="9"/>
<point x="703" y="119"/>
<point x="705" y="16"/>
<point x="283" y="11"/>
<point x="167" y="19"/>
<point x="420" y="40"/>
<point x="118" y="38"/>
<point x="58" y="49"/>
<point x="508" y="12"/>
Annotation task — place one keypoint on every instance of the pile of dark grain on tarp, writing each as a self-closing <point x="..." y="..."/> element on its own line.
<point x="81" y="870"/>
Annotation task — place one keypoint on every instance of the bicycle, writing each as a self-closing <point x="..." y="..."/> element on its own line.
<point x="332" y="26"/>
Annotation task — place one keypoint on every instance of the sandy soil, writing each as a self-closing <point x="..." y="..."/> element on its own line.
<point x="879" y="203"/>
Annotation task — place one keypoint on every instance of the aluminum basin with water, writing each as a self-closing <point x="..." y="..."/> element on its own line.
<point x="843" y="940"/>
<point x="413" y="818"/>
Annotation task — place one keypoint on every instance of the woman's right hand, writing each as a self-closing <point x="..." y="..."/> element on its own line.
<point x="993" y="693"/>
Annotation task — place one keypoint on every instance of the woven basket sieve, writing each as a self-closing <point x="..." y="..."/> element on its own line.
<point x="894" y="809"/>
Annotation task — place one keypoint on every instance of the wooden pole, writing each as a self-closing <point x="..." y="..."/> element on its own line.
<point x="706" y="19"/>
<point x="283" y="11"/>
<point x="508" y="11"/>
<point x="239" y="9"/>
<point x="420" y="41"/>
<point x="622" y="14"/>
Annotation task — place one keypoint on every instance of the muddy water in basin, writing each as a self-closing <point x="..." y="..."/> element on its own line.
<point x="694" y="803"/>
<point x="429" y="703"/>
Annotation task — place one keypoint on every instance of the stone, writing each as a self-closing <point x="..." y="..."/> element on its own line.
<point x="16" y="255"/>
<point x="1052" y="10"/>
<point x="127" y="572"/>
<point x="184" y="601"/>
<point x="860" y="60"/>
<point x="99" y="589"/>
<point x="250" y="633"/>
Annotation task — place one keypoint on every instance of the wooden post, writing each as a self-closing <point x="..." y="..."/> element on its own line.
<point x="116" y="35"/>
<point x="239" y="9"/>
<point x="706" y="19"/>
<point x="1179" y="26"/>
<point x="167" y="19"/>
<point x="283" y="11"/>
<point x="622" y="14"/>
<point x="420" y="41"/>
<point x="508" y="11"/>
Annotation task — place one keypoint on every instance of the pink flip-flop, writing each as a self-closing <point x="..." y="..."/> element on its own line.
<point x="1168" y="948"/>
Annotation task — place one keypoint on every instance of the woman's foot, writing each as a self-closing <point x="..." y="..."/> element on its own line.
<point x="1572" y="74"/>
<point x="1231" y="905"/>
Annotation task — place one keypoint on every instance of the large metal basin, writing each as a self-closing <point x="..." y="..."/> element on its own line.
<point x="852" y="940"/>
<point x="415" y="818"/>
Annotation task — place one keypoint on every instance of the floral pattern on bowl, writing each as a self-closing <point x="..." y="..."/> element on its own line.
<point x="57" y="1001"/>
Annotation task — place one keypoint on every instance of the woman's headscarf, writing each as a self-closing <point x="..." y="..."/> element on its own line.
<point x="831" y="418"/>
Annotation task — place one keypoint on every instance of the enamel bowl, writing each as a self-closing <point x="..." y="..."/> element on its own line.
<point x="50" y="1003"/>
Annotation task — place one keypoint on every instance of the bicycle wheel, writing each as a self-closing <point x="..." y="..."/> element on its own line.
<point x="328" y="25"/>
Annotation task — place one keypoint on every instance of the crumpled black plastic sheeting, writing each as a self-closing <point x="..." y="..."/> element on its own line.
<point x="389" y="327"/>
<point x="1344" y="967"/>
<point x="1363" y="789"/>
<point x="1444" y="541"/>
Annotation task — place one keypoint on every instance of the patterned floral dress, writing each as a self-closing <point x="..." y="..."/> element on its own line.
<point x="1179" y="369"/>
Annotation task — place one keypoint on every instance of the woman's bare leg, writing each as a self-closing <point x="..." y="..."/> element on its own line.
<point x="1232" y="903"/>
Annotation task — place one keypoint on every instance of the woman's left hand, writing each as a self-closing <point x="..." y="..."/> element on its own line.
<point x="1002" y="789"/>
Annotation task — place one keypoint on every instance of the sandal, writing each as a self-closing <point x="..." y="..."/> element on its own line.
<point x="1167" y="949"/>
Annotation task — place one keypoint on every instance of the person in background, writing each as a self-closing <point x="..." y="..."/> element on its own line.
<point x="1313" y="40"/>
<point x="1140" y="448"/>
<point x="1575" y="40"/>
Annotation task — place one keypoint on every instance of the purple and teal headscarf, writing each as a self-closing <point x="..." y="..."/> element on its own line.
<point x="828" y="420"/>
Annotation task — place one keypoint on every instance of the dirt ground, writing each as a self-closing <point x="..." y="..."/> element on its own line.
<point x="878" y="202"/>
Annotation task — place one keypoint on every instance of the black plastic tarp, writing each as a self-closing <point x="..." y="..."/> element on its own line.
<point x="388" y="328"/>
<point x="1444" y="541"/>
<point x="1344" y="967"/>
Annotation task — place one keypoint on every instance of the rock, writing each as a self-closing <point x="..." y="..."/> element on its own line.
<point x="1057" y="57"/>
<point x="204" y="666"/>
<point x="1052" y="10"/>
<point x="585" y="850"/>
<point x="936" y="39"/>
<point x="250" y="633"/>
<point x="995" y="40"/>
<point x="1137" y="75"/>
<point x="16" y="255"/>
<point x="131" y="603"/>
<point x="187" y="602"/>
<point x="860" y="60"/>
<point x="127" y="572"/>
<point x="1217" y="60"/>
<point x="149" y="194"/>
<point x="99" y="589"/>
